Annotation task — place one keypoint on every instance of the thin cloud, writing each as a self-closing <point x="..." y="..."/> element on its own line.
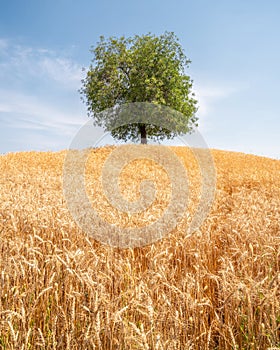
<point x="62" y="70"/>
<point x="210" y="95"/>
<point x="36" y="112"/>
<point x="3" y="45"/>
<point x="38" y="96"/>
<point x="21" y="63"/>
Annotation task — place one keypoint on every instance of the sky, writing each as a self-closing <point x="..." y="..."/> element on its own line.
<point x="233" y="45"/>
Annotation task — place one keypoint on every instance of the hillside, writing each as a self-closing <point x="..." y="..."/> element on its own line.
<point x="217" y="288"/>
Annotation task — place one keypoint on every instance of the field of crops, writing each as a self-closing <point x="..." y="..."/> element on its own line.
<point x="217" y="288"/>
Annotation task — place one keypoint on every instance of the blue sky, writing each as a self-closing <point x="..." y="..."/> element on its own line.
<point x="233" y="45"/>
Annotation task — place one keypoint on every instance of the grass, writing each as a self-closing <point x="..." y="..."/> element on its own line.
<point x="218" y="288"/>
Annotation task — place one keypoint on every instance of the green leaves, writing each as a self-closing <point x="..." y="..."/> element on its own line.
<point x="144" y="68"/>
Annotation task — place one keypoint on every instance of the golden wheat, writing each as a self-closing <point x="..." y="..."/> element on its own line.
<point x="215" y="289"/>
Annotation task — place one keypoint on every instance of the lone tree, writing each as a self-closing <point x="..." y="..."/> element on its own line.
<point x="144" y="68"/>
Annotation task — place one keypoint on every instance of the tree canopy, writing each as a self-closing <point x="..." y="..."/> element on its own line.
<point x="145" y="68"/>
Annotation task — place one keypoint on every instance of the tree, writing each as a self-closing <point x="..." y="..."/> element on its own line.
<point x="144" y="68"/>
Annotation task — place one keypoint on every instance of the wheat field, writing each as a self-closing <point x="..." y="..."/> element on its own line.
<point x="217" y="288"/>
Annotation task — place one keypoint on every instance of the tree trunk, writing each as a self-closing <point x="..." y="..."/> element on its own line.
<point x="143" y="133"/>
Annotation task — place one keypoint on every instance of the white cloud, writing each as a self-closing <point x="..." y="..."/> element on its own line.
<point x="21" y="63"/>
<point x="36" y="112"/>
<point x="3" y="45"/>
<point x="38" y="98"/>
<point x="210" y="95"/>
<point x="5" y="107"/>
<point x="61" y="70"/>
